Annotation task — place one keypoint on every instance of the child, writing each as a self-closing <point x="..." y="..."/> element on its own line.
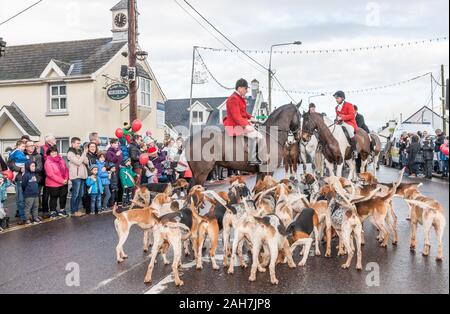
<point x="95" y="190"/>
<point x="127" y="178"/>
<point x="30" y="188"/>
<point x="4" y="183"/>
<point x="18" y="155"/>
<point x="114" y="186"/>
<point x="105" y="179"/>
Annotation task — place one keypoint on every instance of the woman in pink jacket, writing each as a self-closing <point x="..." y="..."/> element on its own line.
<point x="56" y="181"/>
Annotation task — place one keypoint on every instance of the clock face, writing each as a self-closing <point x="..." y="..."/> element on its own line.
<point x="120" y="20"/>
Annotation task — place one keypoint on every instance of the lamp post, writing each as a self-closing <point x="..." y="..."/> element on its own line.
<point x="314" y="96"/>
<point x="270" y="69"/>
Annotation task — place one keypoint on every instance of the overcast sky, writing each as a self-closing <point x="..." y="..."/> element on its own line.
<point x="168" y="34"/>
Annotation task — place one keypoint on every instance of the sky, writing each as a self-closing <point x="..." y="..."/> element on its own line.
<point x="168" y="33"/>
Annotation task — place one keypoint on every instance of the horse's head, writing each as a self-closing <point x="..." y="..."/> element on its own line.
<point x="296" y="123"/>
<point x="309" y="126"/>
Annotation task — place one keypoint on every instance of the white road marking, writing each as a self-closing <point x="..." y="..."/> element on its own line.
<point x="109" y="280"/>
<point x="163" y="284"/>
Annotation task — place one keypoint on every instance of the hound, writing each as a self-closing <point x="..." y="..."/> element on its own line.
<point x="429" y="213"/>
<point x="144" y="218"/>
<point x="301" y="229"/>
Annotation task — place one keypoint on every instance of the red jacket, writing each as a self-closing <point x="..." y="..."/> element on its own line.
<point x="237" y="115"/>
<point x="348" y="114"/>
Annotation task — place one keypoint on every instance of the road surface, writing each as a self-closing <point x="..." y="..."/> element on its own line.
<point x="45" y="259"/>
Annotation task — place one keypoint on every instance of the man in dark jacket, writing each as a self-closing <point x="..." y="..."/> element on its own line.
<point x="360" y="121"/>
<point x="413" y="150"/>
<point x="428" y="156"/>
<point x="134" y="150"/>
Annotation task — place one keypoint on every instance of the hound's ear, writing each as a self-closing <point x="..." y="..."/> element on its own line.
<point x="299" y="104"/>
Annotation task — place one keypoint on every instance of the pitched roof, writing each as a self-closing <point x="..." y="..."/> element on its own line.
<point x="85" y="57"/>
<point x="123" y="4"/>
<point x="177" y="110"/>
<point x="22" y="120"/>
<point x="424" y="108"/>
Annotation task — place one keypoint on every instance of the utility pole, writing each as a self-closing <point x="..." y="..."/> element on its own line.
<point x="443" y="99"/>
<point x="132" y="60"/>
<point x="432" y="98"/>
<point x="194" y="50"/>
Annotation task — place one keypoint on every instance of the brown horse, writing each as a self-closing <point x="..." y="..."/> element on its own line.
<point x="291" y="157"/>
<point x="211" y="146"/>
<point x="334" y="144"/>
<point x="375" y="152"/>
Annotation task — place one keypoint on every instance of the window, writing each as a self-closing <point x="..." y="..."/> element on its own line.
<point x="58" y="98"/>
<point x="144" y="91"/>
<point x="62" y="144"/>
<point x="197" y="117"/>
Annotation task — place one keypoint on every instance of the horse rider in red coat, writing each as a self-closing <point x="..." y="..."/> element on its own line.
<point x="346" y="116"/>
<point x="239" y="122"/>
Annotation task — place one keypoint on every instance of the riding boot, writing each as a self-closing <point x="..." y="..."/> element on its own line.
<point x="253" y="152"/>
<point x="353" y="148"/>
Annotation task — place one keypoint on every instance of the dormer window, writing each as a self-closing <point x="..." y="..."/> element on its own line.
<point x="197" y="117"/>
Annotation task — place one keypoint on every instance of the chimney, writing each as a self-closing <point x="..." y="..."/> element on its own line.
<point x="255" y="88"/>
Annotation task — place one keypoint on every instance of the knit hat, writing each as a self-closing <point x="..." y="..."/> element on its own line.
<point x="153" y="150"/>
<point x="126" y="160"/>
<point x="91" y="167"/>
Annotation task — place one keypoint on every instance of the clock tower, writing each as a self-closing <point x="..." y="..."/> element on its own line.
<point x="120" y="21"/>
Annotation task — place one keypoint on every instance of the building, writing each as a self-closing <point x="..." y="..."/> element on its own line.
<point x="427" y="116"/>
<point x="207" y="111"/>
<point x="61" y="88"/>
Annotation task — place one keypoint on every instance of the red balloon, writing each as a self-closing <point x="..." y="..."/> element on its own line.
<point x="119" y="133"/>
<point x="136" y="125"/>
<point x="8" y="174"/>
<point x="143" y="159"/>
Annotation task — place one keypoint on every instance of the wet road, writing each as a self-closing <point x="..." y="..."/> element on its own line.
<point x="42" y="259"/>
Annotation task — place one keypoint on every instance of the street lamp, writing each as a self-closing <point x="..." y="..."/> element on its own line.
<point x="314" y="96"/>
<point x="270" y="68"/>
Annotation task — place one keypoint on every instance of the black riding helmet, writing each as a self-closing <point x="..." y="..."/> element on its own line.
<point x="241" y="83"/>
<point x="339" y="94"/>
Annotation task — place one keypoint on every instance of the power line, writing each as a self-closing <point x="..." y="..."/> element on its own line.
<point x="224" y="36"/>
<point x="355" y="91"/>
<point x="339" y="50"/>
<point x="210" y="74"/>
<point x="215" y="37"/>
<point x="23" y="11"/>
<point x="239" y="49"/>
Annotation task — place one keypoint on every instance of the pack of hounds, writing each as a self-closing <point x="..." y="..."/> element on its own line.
<point x="275" y="218"/>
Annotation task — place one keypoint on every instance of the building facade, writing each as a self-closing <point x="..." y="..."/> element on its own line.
<point x="61" y="89"/>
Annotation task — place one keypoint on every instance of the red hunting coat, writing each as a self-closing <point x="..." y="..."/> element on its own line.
<point x="237" y="116"/>
<point x="348" y="114"/>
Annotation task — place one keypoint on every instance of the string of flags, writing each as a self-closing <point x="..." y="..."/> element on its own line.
<point x="334" y="50"/>
<point x="355" y="91"/>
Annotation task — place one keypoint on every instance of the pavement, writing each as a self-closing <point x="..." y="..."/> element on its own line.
<point x="77" y="255"/>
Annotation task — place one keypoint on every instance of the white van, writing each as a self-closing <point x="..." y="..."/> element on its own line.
<point x="408" y="128"/>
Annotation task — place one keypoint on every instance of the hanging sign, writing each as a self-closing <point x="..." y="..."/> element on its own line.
<point x="118" y="91"/>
